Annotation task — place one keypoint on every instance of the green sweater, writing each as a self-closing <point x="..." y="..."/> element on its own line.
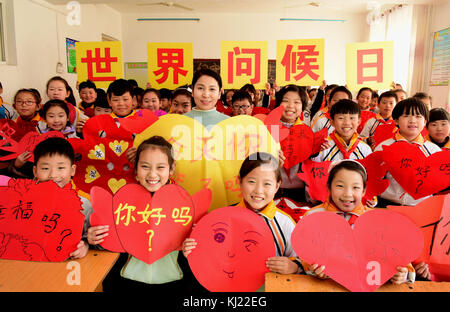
<point x="208" y="118"/>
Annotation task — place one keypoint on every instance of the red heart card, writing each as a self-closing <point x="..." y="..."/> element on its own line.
<point x="102" y="162"/>
<point x="102" y="201"/>
<point x="140" y="121"/>
<point x="275" y="127"/>
<point x="16" y="131"/>
<point x="418" y="174"/>
<point x="147" y="227"/>
<point x="384" y="132"/>
<point x="26" y="144"/>
<point x="432" y="216"/>
<point x="376" y="171"/>
<point x="362" y="258"/>
<point x="315" y="175"/>
<point x="365" y="116"/>
<point x="233" y="244"/>
<point x="151" y="227"/>
<point x="106" y="127"/>
<point x="34" y="226"/>
<point x="298" y="146"/>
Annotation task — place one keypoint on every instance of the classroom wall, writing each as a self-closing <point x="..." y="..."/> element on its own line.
<point x="207" y="34"/>
<point x="40" y="39"/>
<point x="440" y="17"/>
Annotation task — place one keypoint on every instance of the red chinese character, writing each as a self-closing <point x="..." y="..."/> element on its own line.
<point x="244" y="64"/>
<point x="170" y="58"/>
<point x="378" y="64"/>
<point x="204" y="149"/>
<point x="300" y="60"/>
<point x="98" y="61"/>
<point x="7" y="130"/>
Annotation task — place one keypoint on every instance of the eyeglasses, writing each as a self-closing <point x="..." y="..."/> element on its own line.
<point x="241" y="107"/>
<point x="27" y="103"/>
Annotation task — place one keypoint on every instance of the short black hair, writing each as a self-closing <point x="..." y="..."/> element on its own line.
<point x="345" y="106"/>
<point x="52" y="103"/>
<point x="388" y="94"/>
<point x="165" y="93"/>
<point x="133" y="82"/>
<point x="54" y="146"/>
<point x="206" y="72"/>
<point x="410" y="106"/>
<point x="248" y="88"/>
<point x="154" y="142"/>
<point x="101" y="100"/>
<point x="240" y="96"/>
<point x="438" y="113"/>
<point x="292" y="88"/>
<point x="423" y="96"/>
<point x="341" y="89"/>
<point x="87" y="84"/>
<point x="364" y="89"/>
<point x="350" y="165"/>
<point x="256" y="160"/>
<point x="119" y="87"/>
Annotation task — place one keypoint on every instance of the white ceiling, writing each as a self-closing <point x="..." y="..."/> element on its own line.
<point x="246" y="6"/>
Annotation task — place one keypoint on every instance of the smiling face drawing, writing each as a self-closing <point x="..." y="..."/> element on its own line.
<point x="233" y="244"/>
<point x="237" y="246"/>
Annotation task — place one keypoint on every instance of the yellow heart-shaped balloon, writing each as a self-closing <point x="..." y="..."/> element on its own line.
<point x="91" y="174"/>
<point x="98" y="152"/>
<point x="118" y="147"/>
<point x="115" y="185"/>
<point x="212" y="158"/>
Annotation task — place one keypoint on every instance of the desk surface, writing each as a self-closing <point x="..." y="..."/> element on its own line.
<point x="304" y="283"/>
<point x="32" y="276"/>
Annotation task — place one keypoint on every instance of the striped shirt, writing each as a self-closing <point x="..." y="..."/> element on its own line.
<point x="281" y="225"/>
<point x="333" y="153"/>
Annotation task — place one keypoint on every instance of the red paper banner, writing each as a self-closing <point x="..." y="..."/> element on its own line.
<point x="145" y="226"/>
<point x="26" y="144"/>
<point x="233" y="244"/>
<point x="361" y="259"/>
<point x="34" y="225"/>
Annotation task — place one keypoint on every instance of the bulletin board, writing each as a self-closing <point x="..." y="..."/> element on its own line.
<point x="440" y="62"/>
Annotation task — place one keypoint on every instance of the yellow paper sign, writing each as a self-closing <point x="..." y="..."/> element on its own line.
<point x="300" y="62"/>
<point x="370" y="64"/>
<point x="170" y="65"/>
<point x="243" y="62"/>
<point x="212" y="159"/>
<point x="100" y="62"/>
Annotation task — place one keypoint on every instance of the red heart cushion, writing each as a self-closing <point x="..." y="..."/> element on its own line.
<point x="361" y="259"/>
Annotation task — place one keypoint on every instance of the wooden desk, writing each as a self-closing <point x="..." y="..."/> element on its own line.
<point x="305" y="283"/>
<point x="29" y="276"/>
